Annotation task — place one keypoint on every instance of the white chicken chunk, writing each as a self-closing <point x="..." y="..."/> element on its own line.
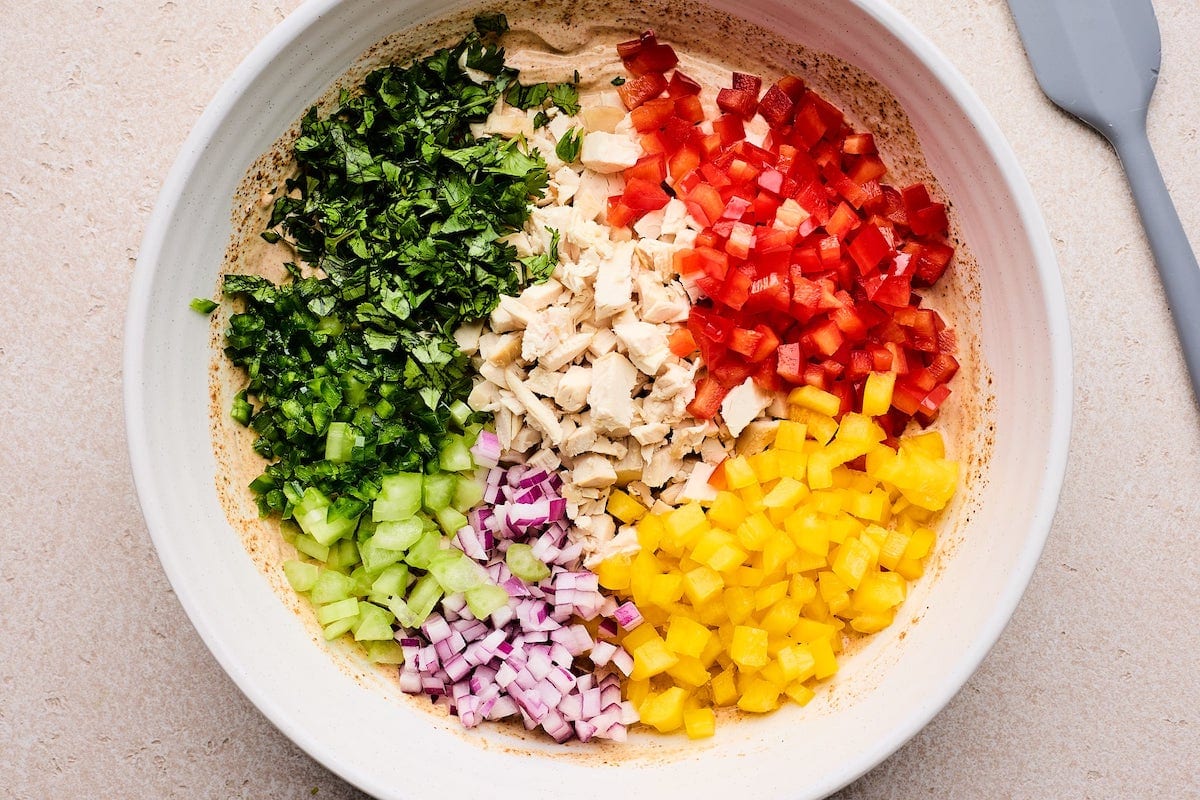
<point x="614" y="282"/>
<point x="743" y="404"/>
<point x="573" y="388"/>
<point x="593" y="471"/>
<point x="611" y="395"/>
<point x="546" y="331"/>
<point x="644" y="343"/>
<point x="609" y="152"/>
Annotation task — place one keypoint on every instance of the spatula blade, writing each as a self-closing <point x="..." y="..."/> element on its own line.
<point x="1096" y="59"/>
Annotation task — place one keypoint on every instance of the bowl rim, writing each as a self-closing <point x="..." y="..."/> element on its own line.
<point x="971" y="656"/>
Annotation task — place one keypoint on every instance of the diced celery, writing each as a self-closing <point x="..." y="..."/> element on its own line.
<point x="316" y="517"/>
<point x="455" y="572"/>
<point x="300" y="575"/>
<point x="362" y="581"/>
<point x="375" y="557"/>
<point x="399" y="497"/>
<point x="339" y="609"/>
<point x="524" y="564"/>
<point x="404" y="614"/>
<point x="468" y="493"/>
<point x="289" y="530"/>
<point x="388" y="652"/>
<point x="420" y="553"/>
<point x="483" y="600"/>
<point x="460" y="412"/>
<point x="339" y="442"/>
<point x="311" y="547"/>
<point x="393" y="580"/>
<point x="332" y="586"/>
<point x="354" y="391"/>
<point x="471" y="433"/>
<point x="335" y="629"/>
<point x="374" y="623"/>
<point x="343" y="555"/>
<point x="450" y="520"/>
<point x="399" y="534"/>
<point x="439" y="490"/>
<point x="426" y="593"/>
<point x="455" y="455"/>
<point x="366" y="527"/>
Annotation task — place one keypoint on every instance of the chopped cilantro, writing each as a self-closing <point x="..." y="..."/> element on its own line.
<point x="402" y="215"/>
<point x="618" y="81"/>
<point x="569" y="145"/>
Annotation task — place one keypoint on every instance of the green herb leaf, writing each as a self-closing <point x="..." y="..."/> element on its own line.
<point x="618" y="81"/>
<point x="569" y="145"/>
<point x="203" y="305"/>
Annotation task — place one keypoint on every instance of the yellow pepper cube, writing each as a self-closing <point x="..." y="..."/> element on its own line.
<point x="782" y="616"/>
<point x="701" y="584"/>
<point x="749" y="648"/>
<point x="893" y="548"/>
<point x="774" y="674"/>
<point x="802" y="588"/>
<point x="687" y="637"/>
<point x="787" y="493"/>
<point x="727" y="557"/>
<point x="699" y="723"/>
<point x="778" y="549"/>
<point x="724" y="688"/>
<point x="738" y="473"/>
<point x="879" y="592"/>
<point x="666" y="589"/>
<point x="652" y="658"/>
<point x="750" y="577"/>
<point x="624" y="507"/>
<point x="877" y="393"/>
<point x="807" y="631"/>
<point x="727" y="511"/>
<point x="809" y="532"/>
<point x="919" y="544"/>
<point x="824" y="661"/>
<point x="755" y="531"/>
<point x="714" y="649"/>
<point x="873" y="622"/>
<point x="689" y="673"/>
<point x="614" y="573"/>
<point x="852" y="561"/>
<point x="930" y="441"/>
<point x="820" y="470"/>
<point x="790" y="436"/>
<point x="798" y="693"/>
<point x="796" y="662"/>
<point x="636" y="692"/>
<point x="713" y="613"/>
<point x="739" y="603"/>
<point x="821" y="428"/>
<point x="685" y="523"/>
<point x="793" y="464"/>
<point x="752" y="497"/>
<point x="759" y="696"/>
<point x="765" y="465"/>
<point x="639" y="636"/>
<point x="665" y="710"/>
<point x="650" y="531"/>
<point x="869" y="506"/>
<point x="815" y="399"/>
<point x="769" y="595"/>
<point x="859" y="430"/>
<point x="910" y="568"/>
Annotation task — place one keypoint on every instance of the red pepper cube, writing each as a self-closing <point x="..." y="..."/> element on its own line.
<point x="744" y="341"/>
<point x="714" y="175"/>
<point x="619" y="214"/>
<point x="652" y="114"/>
<point x="789" y="362"/>
<point x="915" y="197"/>
<point x="747" y="83"/>
<point x="868" y="248"/>
<point x="710" y="146"/>
<point x="859" y="144"/>
<point x="907" y="398"/>
<point x="654" y="57"/>
<point x="776" y="107"/>
<point x="894" y="290"/>
<point x="792" y="86"/>
<point x="844" y="186"/>
<point x="681" y="343"/>
<point x="929" y="220"/>
<point x="741" y="242"/>
<point x="651" y="167"/>
<point x="730" y="128"/>
<point x="681" y="85"/>
<point x="844" y="220"/>
<point x="808" y="128"/>
<point x="705" y="204"/>
<point x="737" y="101"/>
<point x="631" y="48"/>
<point x="642" y="88"/>
<point x="707" y="401"/>
<point x="684" y="161"/>
<point x="943" y="367"/>
<point x="689" y="108"/>
<point x="643" y="195"/>
<point x="866" y="169"/>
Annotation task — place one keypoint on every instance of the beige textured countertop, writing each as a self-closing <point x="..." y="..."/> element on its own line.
<point x="106" y="691"/>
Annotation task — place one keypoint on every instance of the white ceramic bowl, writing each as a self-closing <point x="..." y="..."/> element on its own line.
<point x="355" y="722"/>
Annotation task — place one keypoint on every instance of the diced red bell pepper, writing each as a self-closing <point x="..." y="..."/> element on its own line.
<point x="846" y="187"/>
<point x="943" y="367"/>
<point x="906" y="397"/>
<point x="859" y="144"/>
<point x="651" y="168"/>
<point x="790" y="362"/>
<point x="705" y="323"/>
<point x="766" y="346"/>
<point x="776" y="107"/>
<point x="689" y="108"/>
<point x="685" y="160"/>
<point x="741" y="241"/>
<point x="766" y="374"/>
<point x="825" y="336"/>
<point x="929" y="262"/>
<point x="737" y="101"/>
<point x="745" y="341"/>
<point x="815" y="376"/>
<point x="681" y="342"/>
<point x="843" y="221"/>
<point x="652" y="114"/>
<point x="654" y="57"/>
<point x="771" y="180"/>
<point x="630" y="49"/>
<point x="929" y="220"/>
<point x="894" y="290"/>
<point x="643" y="195"/>
<point x="714" y="175"/>
<point x="792" y="86"/>
<point x="808" y="127"/>
<point x="868" y="248"/>
<point x="736" y="289"/>
<point x="642" y="88"/>
<point x="931" y="404"/>
<point x="619" y="214"/>
<point x="859" y="366"/>
<point x="707" y="401"/>
<point x="915" y="197"/>
<point x="730" y="128"/>
<point x="747" y="83"/>
<point x="682" y="86"/>
<point x="729" y="370"/>
<point x="705" y="204"/>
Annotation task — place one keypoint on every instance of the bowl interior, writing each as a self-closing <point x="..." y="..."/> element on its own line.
<point x="1013" y="431"/>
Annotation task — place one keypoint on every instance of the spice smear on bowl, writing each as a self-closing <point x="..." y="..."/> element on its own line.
<point x="585" y="408"/>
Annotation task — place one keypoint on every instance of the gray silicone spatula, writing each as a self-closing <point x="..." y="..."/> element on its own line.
<point x="1099" y="60"/>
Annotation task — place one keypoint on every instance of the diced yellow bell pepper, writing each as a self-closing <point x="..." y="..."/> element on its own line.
<point x="724" y="688"/>
<point x="624" y="507"/>
<point x="790" y="436"/>
<point x="689" y="672"/>
<point x="851" y="562"/>
<point x="664" y="710"/>
<point x="652" y="658"/>
<point x="738" y="473"/>
<point x="815" y="399"/>
<point x="687" y="637"/>
<point x="824" y="661"/>
<point x="799" y="693"/>
<point x="727" y="511"/>
<point x="701" y="584"/>
<point x="820" y="470"/>
<point x="765" y="465"/>
<point x="796" y="662"/>
<point x="699" y="723"/>
<point x="877" y="393"/>
<point x="614" y="572"/>
<point x="759" y="696"/>
<point x="749" y="649"/>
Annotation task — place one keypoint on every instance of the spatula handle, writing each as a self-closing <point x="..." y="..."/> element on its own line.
<point x="1172" y="252"/>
